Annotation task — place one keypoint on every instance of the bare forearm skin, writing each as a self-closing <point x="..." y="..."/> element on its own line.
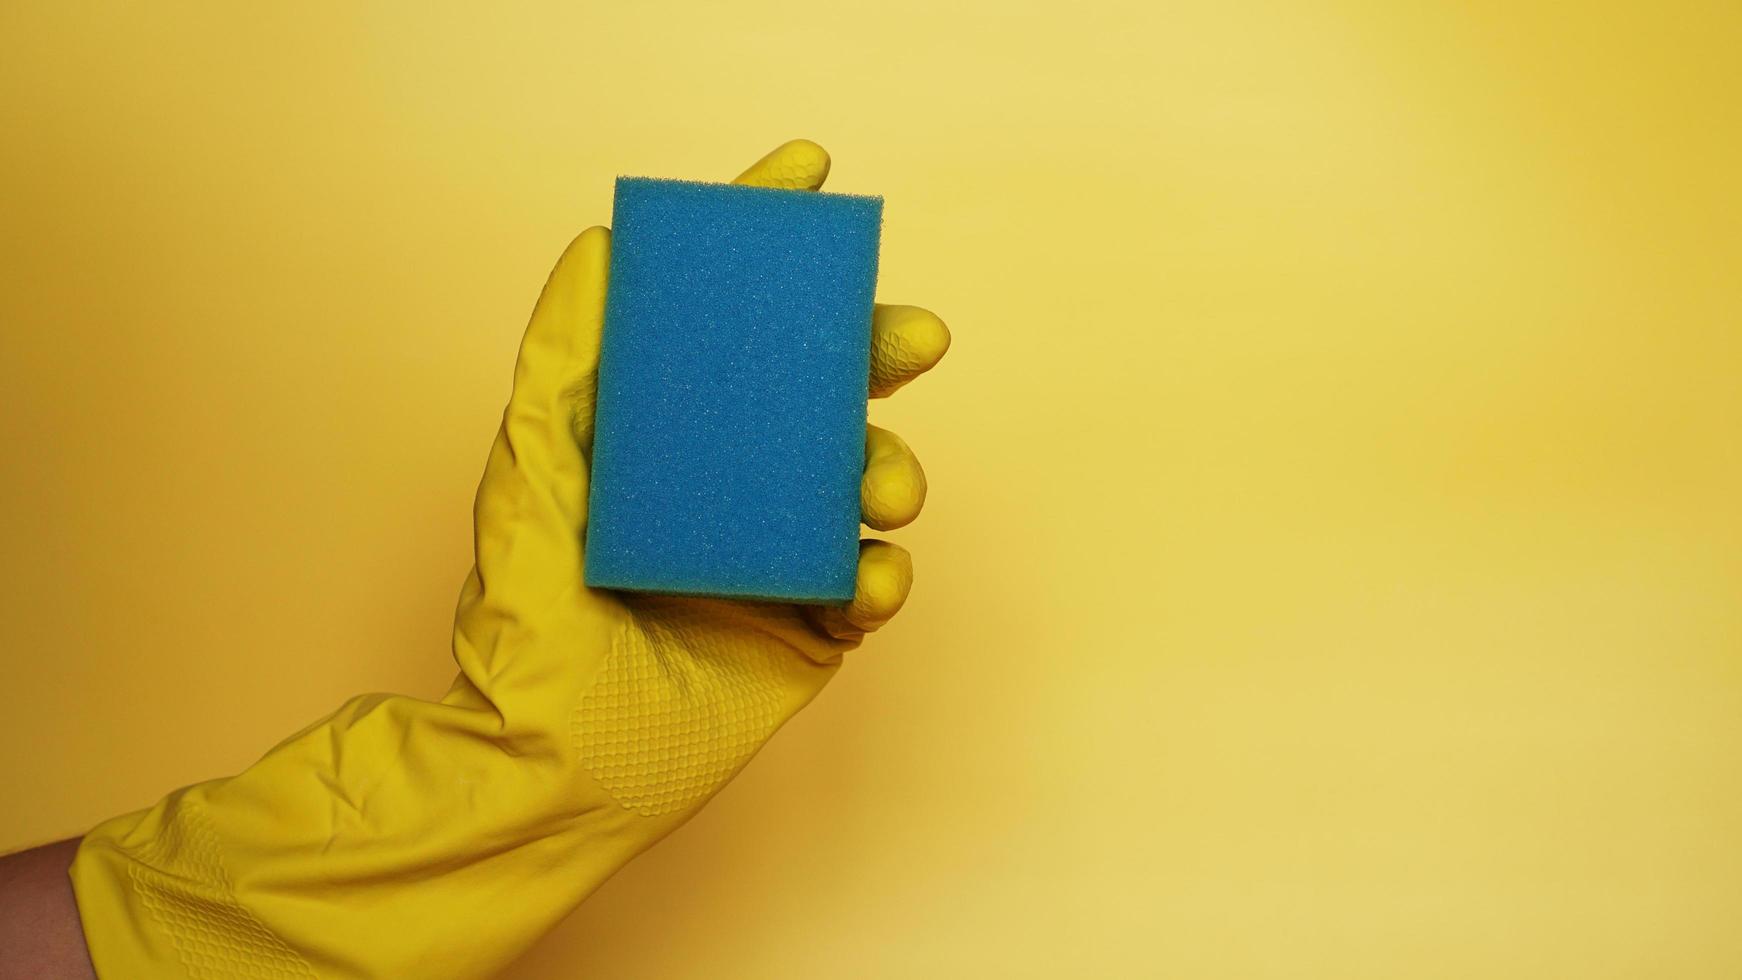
<point x="40" y="934"/>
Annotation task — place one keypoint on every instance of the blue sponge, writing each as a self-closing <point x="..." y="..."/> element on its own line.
<point x="730" y="433"/>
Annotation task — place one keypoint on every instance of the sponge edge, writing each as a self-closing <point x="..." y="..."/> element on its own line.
<point x="730" y="430"/>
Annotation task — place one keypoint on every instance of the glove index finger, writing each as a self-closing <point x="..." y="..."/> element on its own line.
<point x="798" y="165"/>
<point x="906" y="342"/>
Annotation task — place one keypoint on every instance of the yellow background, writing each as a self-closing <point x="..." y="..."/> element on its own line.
<point x="1334" y="560"/>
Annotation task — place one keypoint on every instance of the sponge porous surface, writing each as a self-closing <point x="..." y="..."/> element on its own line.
<point x="729" y="436"/>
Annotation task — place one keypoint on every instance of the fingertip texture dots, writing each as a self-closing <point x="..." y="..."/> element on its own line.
<point x="729" y="437"/>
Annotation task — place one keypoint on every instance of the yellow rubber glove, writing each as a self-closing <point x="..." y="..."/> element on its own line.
<point x="413" y="839"/>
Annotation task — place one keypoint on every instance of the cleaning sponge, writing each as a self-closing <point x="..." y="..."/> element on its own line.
<point x="730" y="431"/>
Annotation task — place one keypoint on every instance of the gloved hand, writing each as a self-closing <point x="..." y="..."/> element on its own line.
<point x="404" y="838"/>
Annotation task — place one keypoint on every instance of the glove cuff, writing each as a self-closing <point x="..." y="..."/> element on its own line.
<point x="155" y="900"/>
